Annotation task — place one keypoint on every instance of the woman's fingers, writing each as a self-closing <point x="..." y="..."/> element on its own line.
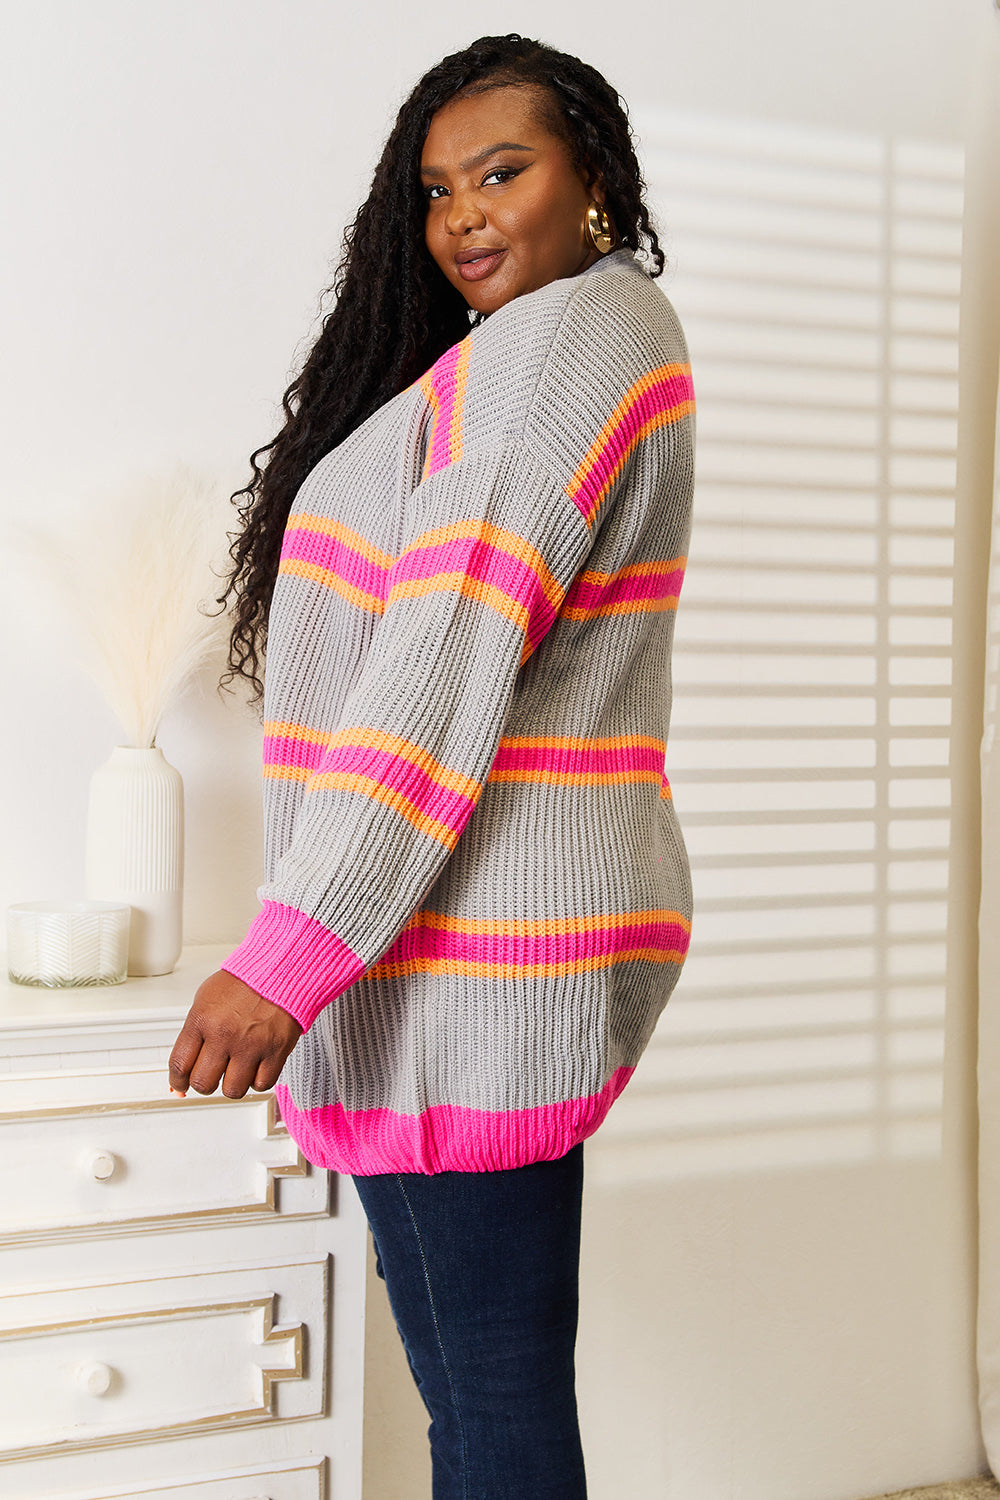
<point x="239" y="1076"/>
<point x="208" y="1071"/>
<point x="267" y="1072"/>
<point x="196" y="1062"/>
<point x="184" y="1056"/>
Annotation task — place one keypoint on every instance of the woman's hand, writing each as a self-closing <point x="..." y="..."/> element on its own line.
<point x="234" y="1035"/>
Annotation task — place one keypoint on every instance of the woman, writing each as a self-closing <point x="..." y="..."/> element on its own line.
<point x="477" y="897"/>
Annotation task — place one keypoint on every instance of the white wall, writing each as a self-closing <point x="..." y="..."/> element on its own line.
<point x="982" y="420"/>
<point x="758" y="1326"/>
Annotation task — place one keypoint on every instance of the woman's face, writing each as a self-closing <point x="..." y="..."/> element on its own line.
<point x="505" y="205"/>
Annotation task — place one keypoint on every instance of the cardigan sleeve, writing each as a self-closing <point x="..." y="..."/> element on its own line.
<point x="492" y="543"/>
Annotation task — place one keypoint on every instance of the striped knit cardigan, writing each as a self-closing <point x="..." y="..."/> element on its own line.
<point x="477" y="895"/>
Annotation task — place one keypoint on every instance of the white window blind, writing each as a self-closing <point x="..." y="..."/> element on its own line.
<point x="817" y="277"/>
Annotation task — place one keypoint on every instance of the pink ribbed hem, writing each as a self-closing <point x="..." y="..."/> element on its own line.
<point x="294" y="961"/>
<point x="446" y="1137"/>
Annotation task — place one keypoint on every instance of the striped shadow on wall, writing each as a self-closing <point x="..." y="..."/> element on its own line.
<point x="817" y="276"/>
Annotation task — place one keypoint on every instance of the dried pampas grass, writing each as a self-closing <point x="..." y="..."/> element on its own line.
<point x="139" y="573"/>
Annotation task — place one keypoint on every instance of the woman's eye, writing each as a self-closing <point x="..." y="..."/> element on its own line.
<point x="501" y="174"/>
<point x="437" y="191"/>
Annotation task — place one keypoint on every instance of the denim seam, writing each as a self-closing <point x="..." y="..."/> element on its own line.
<point x="437" y="1330"/>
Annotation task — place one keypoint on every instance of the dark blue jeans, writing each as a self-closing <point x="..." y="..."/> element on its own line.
<point x="482" y="1272"/>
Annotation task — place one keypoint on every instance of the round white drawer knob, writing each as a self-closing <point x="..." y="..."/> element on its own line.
<point x="94" y="1378"/>
<point x="101" y="1165"/>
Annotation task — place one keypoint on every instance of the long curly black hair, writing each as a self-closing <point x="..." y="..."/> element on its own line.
<point x="395" y="313"/>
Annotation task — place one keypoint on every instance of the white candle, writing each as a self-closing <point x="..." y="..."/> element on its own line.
<point x="60" y="944"/>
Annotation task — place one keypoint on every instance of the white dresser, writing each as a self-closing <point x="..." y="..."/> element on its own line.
<point x="182" y="1308"/>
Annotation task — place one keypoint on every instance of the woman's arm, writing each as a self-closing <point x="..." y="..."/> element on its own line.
<point x="493" y="543"/>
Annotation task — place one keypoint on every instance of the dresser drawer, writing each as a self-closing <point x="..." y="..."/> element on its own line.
<point x="283" y="1481"/>
<point x="303" y="1480"/>
<point x="80" y="1168"/>
<point x="131" y="1362"/>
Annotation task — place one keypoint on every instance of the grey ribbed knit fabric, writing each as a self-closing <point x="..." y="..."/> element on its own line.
<point x="477" y="895"/>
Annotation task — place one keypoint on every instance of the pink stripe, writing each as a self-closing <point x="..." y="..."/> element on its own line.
<point x="294" y="961"/>
<point x="473" y="556"/>
<point x="476" y="559"/>
<point x="281" y="750"/>
<point x="429" y="796"/>
<point x="654" y="400"/>
<point x="446" y="1137"/>
<point x="624" y="589"/>
<point x="442" y="376"/>
<point x="322" y="551"/>
<point x="565" y="760"/>
<point x="521" y="950"/>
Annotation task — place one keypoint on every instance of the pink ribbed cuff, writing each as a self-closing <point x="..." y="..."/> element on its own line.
<point x="294" y="961"/>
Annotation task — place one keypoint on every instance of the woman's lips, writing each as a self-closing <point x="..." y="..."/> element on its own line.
<point x="483" y="266"/>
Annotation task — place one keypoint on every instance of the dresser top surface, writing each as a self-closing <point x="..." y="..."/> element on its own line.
<point x="162" y="997"/>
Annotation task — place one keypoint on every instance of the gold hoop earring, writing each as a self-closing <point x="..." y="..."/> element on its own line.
<point x="597" y="228"/>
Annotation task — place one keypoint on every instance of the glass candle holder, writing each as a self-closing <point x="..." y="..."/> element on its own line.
<point x="63" y="944"/>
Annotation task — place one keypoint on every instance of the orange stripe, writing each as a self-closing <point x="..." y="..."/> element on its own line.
<point x="375" y="739"/>
<point x="460" y="583"/>
<point x="426" y="384"/>
<point x="576" y="778"/>
<point x="634" y="570"/>
<point x="569" y="742"/>
<point x="623" y="607"/>
<point x="433" y="401"/>
<point x="345" y="781"/>
<point x="393" y="744"/>
<point x="325" y="526"/>
<point x="286" y="773"/>
<point x="596" y="456"/>
<point x="443" y="387"/>
<point x="597" y="447"/>
<point x="330" y="580"/>
<point x="660" y="419"/>
<point x="544" y="926"/>
<point x="281" y="729"/>
<point x="461" y="380"/>
<point x="499" y="537"/>
<point x="386" y="970"/>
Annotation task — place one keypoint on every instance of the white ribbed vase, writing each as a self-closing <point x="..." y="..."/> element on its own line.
<point x="135" y="851"/>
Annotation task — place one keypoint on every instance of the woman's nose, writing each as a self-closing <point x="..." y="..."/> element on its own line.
<point x="464" y="214"/>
